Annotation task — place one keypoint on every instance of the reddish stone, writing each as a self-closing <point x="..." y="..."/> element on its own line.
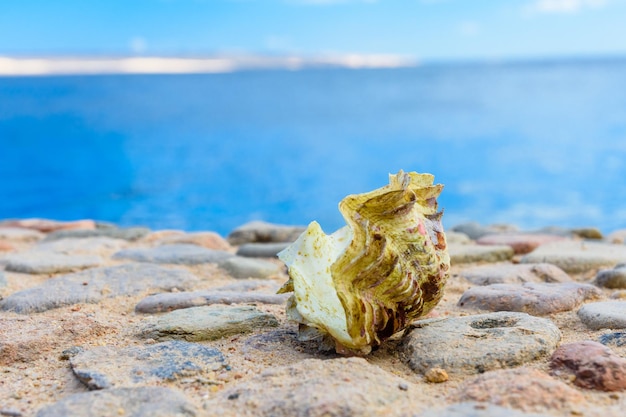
<point x="46" y="226"/>
<point x="5" y="246"/>
<point x="209" y="240"/>
<point x="594" y="365"/>
<point x="521" y="243"/>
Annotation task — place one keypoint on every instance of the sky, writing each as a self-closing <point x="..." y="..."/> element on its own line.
<point x="421" y="29"/>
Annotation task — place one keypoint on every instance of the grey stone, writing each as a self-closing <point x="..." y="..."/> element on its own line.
<point x="514" y="274"/>
<point x="107" y="367"/>
<point x="613" y="339"/>
<point x="475" y="344"/>
<point x="133" y="402"/>
<point x="259" y="231"/>
<point x="604" y="315"/>
<point x="612" y="278"/>
<point x="315" y="388"/>
<point x="160" y="303"/>
<point x="88" y="245"/>
<point x="476" y="409"/>
<point x="96" y="284"/>
<point x="537" y="299"/>
<point x="207" y="323"/>
<point x="617" y="236"/>
<point x="578" y="256"/>
<point x="250" y="285"/>
<point x="457" y="237"/>
<point x="131" y="233"/>
<point x="261" y="250"/>
<point x="43" y="262"/>
<point x="476" y="230"/>
<point x="20" y="234"/>
<point x="3" y="280"/>
<point x="185" y="254"/>
<point x="461" y="254"/>
<point x="240" y="267"/>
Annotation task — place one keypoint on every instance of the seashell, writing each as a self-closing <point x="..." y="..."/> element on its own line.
<point x="370" y="279"/>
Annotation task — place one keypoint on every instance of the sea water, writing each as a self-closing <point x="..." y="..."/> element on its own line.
<point x="528" y="143"/>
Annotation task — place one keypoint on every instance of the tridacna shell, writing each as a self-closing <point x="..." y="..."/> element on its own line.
<point x="374" y="276"/>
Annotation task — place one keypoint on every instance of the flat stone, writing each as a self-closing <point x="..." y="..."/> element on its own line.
<point x="245" y="285"/>
<point x="259" y="231"/>
<point x="95" y="284"/>
<point x="462" y="254"/>
<point x="241" y="267"/>
<point x="160" y="303"/>
<point x="46" y="226"/>
<point x="207" y="323"/>
<point x="474" y="409"/>
<point x="128" y="402"/>
<point x="209" y="240"/>
<point x="604" y="315"/>
<point x="467" y="345"/>
<point x="522" y="389"/>
<point x="131" y="233"/>
<point x="617" y="236"/>
<point x="578" y="256"/>
<point x="538" y="299"/>
<point x="107" y="367"/>
<point x="315" y="388"/>
<point x="261" y="250"/>
<point x="183" y="254"/>
<point x="514" y="274"/>
<point x="594" y="365"/>
<point x="91" y="245"/>
<point x="476" y="230"/>
<point x="613" y="339"/>
<point x="44" y="262"/>
<point x="521" y="243"/>
<point x="612" y="278"/>
<point x="20" y="234"/>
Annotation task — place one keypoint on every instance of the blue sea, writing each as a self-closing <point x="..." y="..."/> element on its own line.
<point x="528" y="143"/>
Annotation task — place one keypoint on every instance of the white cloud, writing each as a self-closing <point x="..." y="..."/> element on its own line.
<point x="565" y="6"/>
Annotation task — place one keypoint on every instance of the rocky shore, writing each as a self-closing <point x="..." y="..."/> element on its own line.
<point x="107" y="321"/>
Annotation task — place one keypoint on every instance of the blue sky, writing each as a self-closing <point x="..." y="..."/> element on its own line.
<point x="423" y="29"/>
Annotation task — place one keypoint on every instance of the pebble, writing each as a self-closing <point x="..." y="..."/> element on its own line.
<point x="127" y="402"/>
<point x="474" y="409"/>
<point x="514" y="274"/>
<point x="91" y="245"/>
<point x="106" y="367"/>
<point x="476" y="230"/>
<point x="461" y="254"/>
<point x="617" y="236"/>
<point x="436" y="375"/>
<point x="457" y="237"/>
<point x="46" y="262"/>
<point x="612" y="278"/>
<point x="521" y="243"/>
<point x="245" y="285"/>
<point x="207" y="323"/>
<point x="259" y="231"/>
<point x="314" y="387"/>
<point x="184" y="254"/>
<point x="3" y="280"/>
<point x="614" y="339"/>
<point x="470" y="342"/>
<point x="46" y="226"/>
<point x="21" y="235"/>
<point x="578" y="256"/>
<point x="538" y="299"/>
<point x="6" y="246"/>
<point x="261" y="250"/>
<point x="130" y="234"/>
<point x="95" y="284"/>
<point x="160" y="303"/>
<point x="604" y="315"/>
<point x="594" y="365"/>
<point x="241" y="267"/>
<point x="209" y="240"/>
<point x="522" y="389"/>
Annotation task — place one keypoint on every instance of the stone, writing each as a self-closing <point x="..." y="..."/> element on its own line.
<point x="3" y="280"/>
<point x="594" y="365"/>
<point x="315" y="388"/>
<point x="6" y="246"/>
<point x="436" y="375"/>
<point x="523" y="389"/>
<point x="20" y="234"/>
<point x="95" y="284"/>
<point x="90" y="245"/>
<point x="457" y="237"/>
<point x="107" y="367"/>
<point x="461" y="254"/>
<point x="160" y="303"/>
<point x="44" y="262"/>
<point x="261" y="250"/>
<point x="46" y="226"/>
<point x="474" y="409"/>
<point x="259" y="231"/>
<point x="521" y="243"/>
<point x="478" y="343"/>
<point x="131" y="233"/>
<point x="207" y="323"/>
<point x="612" y="278"/>
<point x="613" y="339"/>
<point x="476" y="230"/>
<point x="127" y="402"/>
<point x="24" y="339"/>
<point x="587" y="233"/>
<point x="514" y="274"/>
<point x="209" y="240"/>
<point x="184" y="254"/>
<point x="617" y="236"/>
<point x="578" y="256"/>
<point x="241" y="267"/>
<point x="604" y="315"/>
<point x="538" y="299"/>
<point x="245" y="285"/>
